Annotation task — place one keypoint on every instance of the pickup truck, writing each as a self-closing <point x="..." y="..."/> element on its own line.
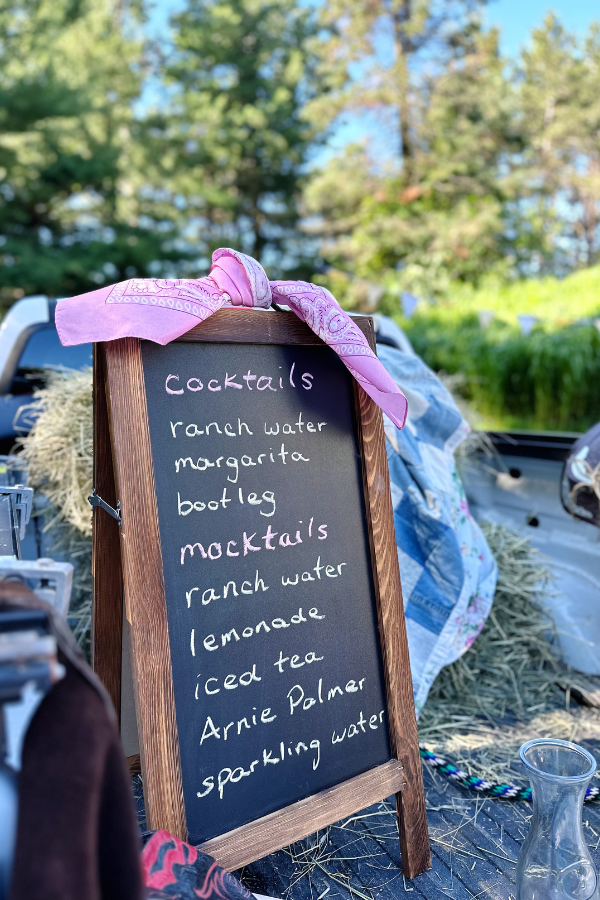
<point x="519" y="485"/>
<point x="29" y="344"/>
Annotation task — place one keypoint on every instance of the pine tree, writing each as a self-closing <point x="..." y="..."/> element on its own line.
<point x="234" y="142"/>
<point x="70" y="216"/>
<point x="559" y="79"/>
<point x="435" y="210"/>
<point x="376" y="54"/>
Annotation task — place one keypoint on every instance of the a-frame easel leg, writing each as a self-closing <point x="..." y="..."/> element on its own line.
<point x="412" y="818"/>
<point x="107" y="602"/>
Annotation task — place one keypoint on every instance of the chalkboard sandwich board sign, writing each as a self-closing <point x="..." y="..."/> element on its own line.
<point x="269" y="656"/>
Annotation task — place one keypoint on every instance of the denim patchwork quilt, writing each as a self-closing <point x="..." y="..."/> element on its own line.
<point x="447" y="569"/>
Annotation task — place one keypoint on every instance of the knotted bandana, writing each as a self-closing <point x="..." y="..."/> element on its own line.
<point x="161" y="310"/>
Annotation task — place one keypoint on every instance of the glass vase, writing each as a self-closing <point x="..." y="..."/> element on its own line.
<point x="555" y="863"/>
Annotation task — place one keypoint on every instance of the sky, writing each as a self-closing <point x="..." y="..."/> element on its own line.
<point x="516" y="18"/>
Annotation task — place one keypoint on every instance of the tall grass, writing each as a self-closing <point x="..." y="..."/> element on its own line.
<point x="555" y="301"/>
<point x="549" y="379"/>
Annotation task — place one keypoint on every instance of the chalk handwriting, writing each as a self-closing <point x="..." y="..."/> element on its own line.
<point x="296" y="661"/>
<point x="215" y="550"/>
<point x="230" y="682"/>
<point x="298" y="699"/>
<point x="218" y="731"/>
<point x="232" y="636"/>
<point x="194" y="430"/>
<point x="295" y="427"/>
<point x="232" y="462"/>
<point x="175" y="385"/>
<point x="210" y="594"/>
<point x="209" y="478"/>
<point x="352" y="730"/>
<point x="273" y="757"/>
<point x="185" y="507"/>
<point x="330" y="572"/>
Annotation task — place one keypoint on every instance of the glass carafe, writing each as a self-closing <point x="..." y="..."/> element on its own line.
<point x="555" y="863"/>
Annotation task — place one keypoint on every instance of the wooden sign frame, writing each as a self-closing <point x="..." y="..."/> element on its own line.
<point x="123" y="470"/>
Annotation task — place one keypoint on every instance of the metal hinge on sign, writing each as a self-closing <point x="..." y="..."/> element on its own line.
<point x="95" y="500"/>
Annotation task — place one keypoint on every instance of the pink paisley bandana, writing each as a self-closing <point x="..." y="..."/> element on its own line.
<point x="161" y="310"/>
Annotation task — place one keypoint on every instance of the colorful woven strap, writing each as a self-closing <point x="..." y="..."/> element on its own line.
<point x="487" y="788"/>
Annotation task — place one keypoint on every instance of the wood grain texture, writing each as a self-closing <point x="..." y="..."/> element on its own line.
<point x="107" y="597"/>
<point x="412" y="816"/>
<point x="265" y="835"/>
<point x="145" y="588"/>
<point x="253" y="326"/>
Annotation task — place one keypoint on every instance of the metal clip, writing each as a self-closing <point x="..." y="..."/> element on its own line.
<point x="95" y="500"/>
<point x="23" y="502"/>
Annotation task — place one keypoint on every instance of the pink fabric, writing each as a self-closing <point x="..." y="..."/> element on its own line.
<point x="250" y="277"/>
<point x="322" y="313"/>
<point x="229" y="275"/>
<point x="161" y="310"/>
<point x="157" y="310"/>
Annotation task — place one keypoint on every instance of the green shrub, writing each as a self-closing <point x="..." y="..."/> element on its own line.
<point x="555" y="301"/>
<point x="547" y="380"/>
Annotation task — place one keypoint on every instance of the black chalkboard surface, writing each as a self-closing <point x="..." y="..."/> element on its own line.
<point x="255" y="545"/>
<point x="279" y="689"/>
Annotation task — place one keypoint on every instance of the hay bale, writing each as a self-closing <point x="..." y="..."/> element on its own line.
<point x="59" y="447"/>
<point x="59" y="454"/>
<point x="511" y="667"/>
<point x="505" y="689"/>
